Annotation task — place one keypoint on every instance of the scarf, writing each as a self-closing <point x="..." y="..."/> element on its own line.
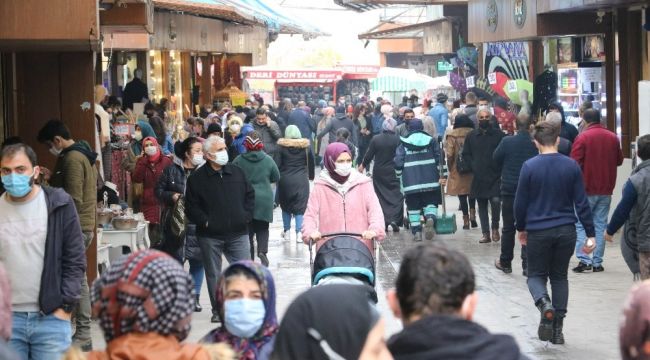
<point x="148" y="291"/>
<point x="253" y="144"/>
<point x="155" y="158"/>
<point x="247" y="349"/>
<point x="332" y="152"/>
<point x="147" y="131"/>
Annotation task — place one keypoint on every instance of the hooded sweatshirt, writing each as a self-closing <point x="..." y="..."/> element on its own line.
<point x="447" y="337"/>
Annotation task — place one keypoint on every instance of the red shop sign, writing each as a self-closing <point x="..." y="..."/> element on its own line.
<point x="293" y="75"/>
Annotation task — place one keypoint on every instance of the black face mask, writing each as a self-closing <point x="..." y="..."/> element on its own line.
<point x="484" y="124"/>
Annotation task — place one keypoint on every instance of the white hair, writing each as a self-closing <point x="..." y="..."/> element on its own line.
<point x="554" y="118"/>
<point x="387" y="109"/>
<point x="211" y="141"/>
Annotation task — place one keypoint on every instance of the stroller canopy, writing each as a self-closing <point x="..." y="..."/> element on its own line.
<point x="344" y="255"/>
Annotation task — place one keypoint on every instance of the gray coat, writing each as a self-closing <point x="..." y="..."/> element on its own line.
<point x="270" y="135"/>
<point x="636" y="236"/>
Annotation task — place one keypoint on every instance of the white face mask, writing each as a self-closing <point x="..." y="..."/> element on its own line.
<point x="138" y="135"/>
<point x="221" y="157"/>
<point x="197" y="159"/>
<point x="54" y="151"/>
<point x="482" y="107"/>
<point x="151" y="150"/>
<point x="343" y="169"/>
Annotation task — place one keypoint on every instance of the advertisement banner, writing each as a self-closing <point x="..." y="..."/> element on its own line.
<point x="510" y="58"/>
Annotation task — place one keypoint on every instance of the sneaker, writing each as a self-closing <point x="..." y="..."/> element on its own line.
<point x="286" y="235"/>
<point x="263" y="259"/>
<point x="394" y="227"/>
<point x="598" y="268"/>
<point x="582" y="267"/>
<point x="429" y="231"/>
<point x="417" y="237"/>
<point x="298" y="237"/>
<point x="504" y="268"/>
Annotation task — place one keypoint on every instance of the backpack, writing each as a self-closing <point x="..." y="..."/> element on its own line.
<point x="461" y="164"/>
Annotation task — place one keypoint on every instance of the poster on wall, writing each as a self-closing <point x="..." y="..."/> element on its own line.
<point x="510" y="58"/>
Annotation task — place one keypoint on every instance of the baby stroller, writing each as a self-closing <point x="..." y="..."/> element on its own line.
<point x="343" y="258"/>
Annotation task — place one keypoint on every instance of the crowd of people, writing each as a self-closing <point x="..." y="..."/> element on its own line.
<point x="208" y="190"/>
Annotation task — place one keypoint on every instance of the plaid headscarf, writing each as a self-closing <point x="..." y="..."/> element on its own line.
<point x="253" y="144"/>
<point x="147" y="291"/>
<point x="248" y="348"/>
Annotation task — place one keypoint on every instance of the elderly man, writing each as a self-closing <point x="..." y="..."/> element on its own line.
<point x="220" y="201"/>
<point x="269" y="133"/>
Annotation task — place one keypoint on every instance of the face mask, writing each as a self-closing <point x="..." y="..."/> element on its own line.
<point x="151" y="150"/>
<point x="482" y="107"/>
<point x="221" y="157"/>
<point x="244" y="317"/>
<point x="343" y="169"/>
<point x="54" y="151"/>
<point x="235" y="129"/>
<point x="198" y="160"/>
<point x="18" y="185"/>
<point x="484" y="124"/>
<point x="138" y="135"/>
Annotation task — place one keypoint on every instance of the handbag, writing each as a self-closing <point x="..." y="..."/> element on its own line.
<point x="177" y="219"/>
<point x="462" y="166"/>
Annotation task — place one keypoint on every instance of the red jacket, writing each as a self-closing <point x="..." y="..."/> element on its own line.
<point x="598" y="153"/>
<point x="148" y="173"/>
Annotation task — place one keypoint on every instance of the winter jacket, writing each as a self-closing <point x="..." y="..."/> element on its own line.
<point x="449" y="337"/>
<point x="75" y="172"/>
<point x="296" y="169"/>
<point x="65" y="256"/>
<point x="261" y="171"/>
<point x="457" y="184"/>
<point x="220" y="203"/>
<point x="150" y="346"/>
<point x="509" y="156"/>
<point x="376" y="123"/>
<point x="418" y="159"/>
<point x="269" y="134"/>
<point x="471" y="111"/>
<point x="350" y="207"/>
<point x="238" y="141"/>
<point x="477" y="152"/>
<point x="134" y="92"/>
<point x="168" y="146"/>
<point x="148" y="173"/>
<point x="303" y="121"/>
<point x="636" y="235"/>
<point x="598" y="153"/>
<point x="338" y="122"/>
<point x="440" y="116"/>
<point x="171" y="182"/>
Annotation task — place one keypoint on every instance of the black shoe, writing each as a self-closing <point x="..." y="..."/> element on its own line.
<point x="485" y="239"/>
<point x="197" y="305"/>
<point x="598" y="268"/>
<point x="263" y="259"/>
<point x="558" y="336"/>
<point x="547" y="314"/>
<point x="394" y="226"/>
<point x="215" y="318"/>
<point x="582" y="267"/>
<point x="505" y="269"/>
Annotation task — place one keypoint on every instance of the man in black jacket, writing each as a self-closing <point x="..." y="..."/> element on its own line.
<point x="135" y="91"/>
<point x="43" y="252"/>
<point x="340" y="121"/>
<point x="510" y="155"/>
<point x="220" y="201"/>
<point x="437" y="306"/>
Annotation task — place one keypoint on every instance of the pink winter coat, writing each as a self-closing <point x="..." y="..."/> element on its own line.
<point x="328" y="211"/>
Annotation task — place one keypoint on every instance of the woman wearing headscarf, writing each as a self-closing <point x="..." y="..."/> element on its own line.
<point x="164" y="139"/>
<point x="296" y="164"/>
<point x="142" y="130"/>
<point x="261" y="171"/>
<point x="634" y="337"/>
<point x="144" y="305"/>
<point x="332" y="322"/>
<point x="147" y="171"/>
<point x="387" y="187"/>
<point x="362" y="128"/>
<point x="459" y="184"/>
<point x="246" y="302"/>
<point x="342" y="200"/>
<point x="169" y="190"/>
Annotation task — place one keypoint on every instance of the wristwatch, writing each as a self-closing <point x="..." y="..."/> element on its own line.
<point x="67" y="308"/>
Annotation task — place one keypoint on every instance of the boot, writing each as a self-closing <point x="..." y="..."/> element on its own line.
<point x="547" y="315"/>
<point x="495" y="235"/>
<point x="485" y="239"/>
<point x="465" y="222"/>
<point x="263" y="259"/>
<point x="197" y="305"/>
<point x="472" y="218"/>
<point x="558" y="336"/>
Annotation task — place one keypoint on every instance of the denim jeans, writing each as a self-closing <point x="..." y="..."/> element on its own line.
<point x="234" y="249"/>
<point x="286" y="221"/>
<point x="39" y="337"/>
<point x="508" y="237"/>
<point x="198" y="272"/>
<point x="600" y="209"/>
<point x="495" y="204"/>
<point x="549" y="252"/>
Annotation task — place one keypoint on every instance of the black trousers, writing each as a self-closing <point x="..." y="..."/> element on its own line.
<point x="495" y="204"/>
<point x="508" y="237"/>
<point x="466" y="203"/>
<point x="258" y="230"/>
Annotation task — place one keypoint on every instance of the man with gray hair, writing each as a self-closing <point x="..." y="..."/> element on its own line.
<point x="135" y="91"/>
<point x="555" y="118"/>
<point x="220" y="201"/>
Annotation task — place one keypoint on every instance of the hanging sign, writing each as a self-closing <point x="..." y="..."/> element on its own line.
<point x="469" y="82"/>
<point x="294" y="75"/>
<point x="492" y="78"/>
<point x="512" y="86"/>
<point x="238" y="99"/>
<point x="444" y="66"/>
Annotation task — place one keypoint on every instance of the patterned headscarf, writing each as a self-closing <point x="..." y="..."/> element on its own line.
<point x="253" y="144"/>
<point x="5" y="305"/>
<point x="389" y="125"/>
<point x="248" y="348"/>
<point x="147" y="291"/>
<point x="634" y="335"/>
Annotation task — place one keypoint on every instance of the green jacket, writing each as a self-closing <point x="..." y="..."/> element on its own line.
<point x="76" y="174"/>
<point x="261" y="171"/>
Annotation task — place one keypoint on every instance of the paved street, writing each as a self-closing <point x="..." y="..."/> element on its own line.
<point x="504" y="302"/>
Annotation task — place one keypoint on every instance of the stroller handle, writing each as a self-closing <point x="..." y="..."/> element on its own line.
<point x="311" y="240"/>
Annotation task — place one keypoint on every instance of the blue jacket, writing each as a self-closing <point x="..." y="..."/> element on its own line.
<point x="238" y="142"/>
<point x="417" y="158"/>
<point x="377" y="121"/>
<point x="303" y="121"/>
<point x="168" y="146"/>
<point x="440" y="117"/>
<point x="509" y="156"/>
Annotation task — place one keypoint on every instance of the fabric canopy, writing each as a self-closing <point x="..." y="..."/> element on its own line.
<point x="395" y="79"/>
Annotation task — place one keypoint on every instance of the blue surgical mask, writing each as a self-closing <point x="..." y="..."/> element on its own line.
<point x="244" y="317"/>
<point x="17" y="185"/>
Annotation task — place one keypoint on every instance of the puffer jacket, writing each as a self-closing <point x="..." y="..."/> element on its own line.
<point x="171" y="182"/>
<point x="350" y="207"/>
<point x="418" y="160"/>
<point x="148" y="173"/>
<point x="269" y="134"/>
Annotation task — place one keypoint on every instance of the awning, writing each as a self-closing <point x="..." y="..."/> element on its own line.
<point x="366" y="5"/>
<point x="208" y="8"/>
<point x="397" y="80"/>
<point x="274" y="17"/>
<point x="412" y="31"/>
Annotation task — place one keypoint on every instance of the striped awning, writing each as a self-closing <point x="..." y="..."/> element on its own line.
<point x="394" y="80"/>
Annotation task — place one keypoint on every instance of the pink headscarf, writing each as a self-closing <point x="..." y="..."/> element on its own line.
<point x="5" y="305"/>
<point x="332" y="152"/>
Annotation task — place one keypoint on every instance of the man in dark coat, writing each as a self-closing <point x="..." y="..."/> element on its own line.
<point x="341" y="120"/>
<point x="135" y="91"/>
<point x="437" y="306"/>
<point x="303" y="121"/>
<point x="477" y="151"/>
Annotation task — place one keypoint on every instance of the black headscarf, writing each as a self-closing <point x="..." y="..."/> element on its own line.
<point x="341" y="314"/>
<point x="463" y="121"/>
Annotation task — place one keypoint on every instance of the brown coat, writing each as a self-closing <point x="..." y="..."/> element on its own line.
<point x="457" y="184"/>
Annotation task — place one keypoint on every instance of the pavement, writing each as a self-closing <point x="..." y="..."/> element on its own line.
<point x="505" y="305"/>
